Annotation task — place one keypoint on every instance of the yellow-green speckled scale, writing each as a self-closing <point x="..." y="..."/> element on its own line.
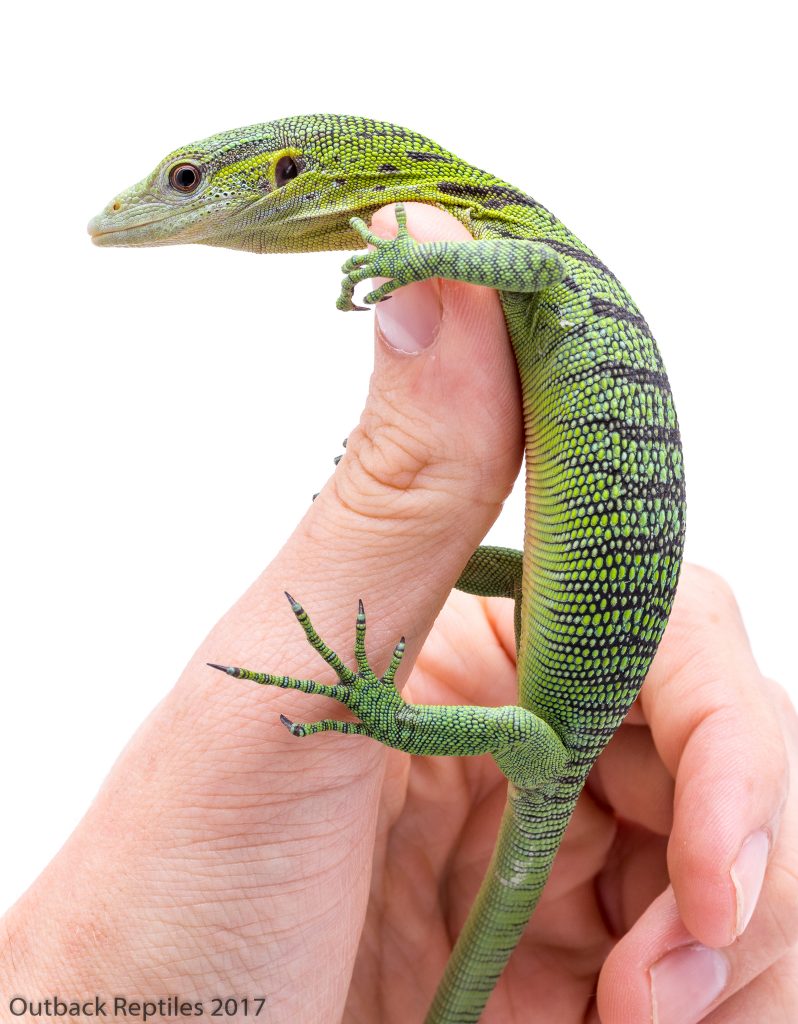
<point x="605" y="489"/>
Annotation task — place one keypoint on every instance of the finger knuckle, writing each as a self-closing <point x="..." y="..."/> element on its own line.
<point x="384" y="472"/>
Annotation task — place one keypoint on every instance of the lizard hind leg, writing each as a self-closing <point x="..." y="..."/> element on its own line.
<point x="495" y="572"/>
<point x="525" y="747"/>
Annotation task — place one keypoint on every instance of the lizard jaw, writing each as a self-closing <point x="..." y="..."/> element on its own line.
<point x="104" y="233"/>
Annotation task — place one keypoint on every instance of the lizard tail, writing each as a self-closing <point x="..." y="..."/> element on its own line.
<point x="531" y="830"/>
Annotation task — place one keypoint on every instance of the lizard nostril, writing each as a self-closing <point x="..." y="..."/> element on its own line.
<point x="116" y="207"/>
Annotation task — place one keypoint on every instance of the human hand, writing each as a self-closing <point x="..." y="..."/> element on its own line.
<point x="222" y="856"/>
<point x="702" y="762"/>
<point x="225" y="857"/>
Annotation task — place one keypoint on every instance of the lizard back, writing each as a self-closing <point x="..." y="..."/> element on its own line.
<point x="605" y="494"/>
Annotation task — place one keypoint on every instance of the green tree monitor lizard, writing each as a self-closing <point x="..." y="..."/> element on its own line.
<point x="604" y="526"/>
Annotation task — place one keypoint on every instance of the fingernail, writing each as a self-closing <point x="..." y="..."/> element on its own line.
<point x="410" y="320"/>
<point x="685" y="982"/>
<point x="747" y="874"/>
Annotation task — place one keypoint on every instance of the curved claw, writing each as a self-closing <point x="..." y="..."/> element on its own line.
<point x="382" y="293"/>
<point x="231" y="670"/>
<point x="295" y="730"/>
<point x="355" y="262"/>
<point x="345" y="304"/>
<point x="325" y="725"/>
<point x="345" y="675"/>
<point x="360" y="638"/>
<point x="390" y="673"/>
<point x="353" y="278"/>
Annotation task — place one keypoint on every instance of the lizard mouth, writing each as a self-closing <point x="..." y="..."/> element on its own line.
<point x="104" y="233"/>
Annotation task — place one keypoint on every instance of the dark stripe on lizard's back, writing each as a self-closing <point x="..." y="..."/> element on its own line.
<point x="415" y="154"/>
<point x="604" y="308"/>
<point x="492" y="197"/>
<point x="578" y="254"/>
<point x="617" y="371"/>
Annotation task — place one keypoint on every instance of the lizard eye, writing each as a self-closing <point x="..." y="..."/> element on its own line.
<point x="184" y="177"/>
<point x="285" y="169"/>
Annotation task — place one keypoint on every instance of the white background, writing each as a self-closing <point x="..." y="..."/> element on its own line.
<point x="167" y="414"/>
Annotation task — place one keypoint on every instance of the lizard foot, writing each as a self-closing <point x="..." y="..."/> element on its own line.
<point x="373" y="698"/>
<point x="391" y="258"/>
<point x="525" y="747"/>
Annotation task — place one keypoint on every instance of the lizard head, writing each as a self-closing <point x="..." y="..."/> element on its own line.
<point x="286" y="186"/>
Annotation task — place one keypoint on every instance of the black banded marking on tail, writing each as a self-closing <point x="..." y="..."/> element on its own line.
<point x="603" y="308"/>
<point x="628" y="431"/>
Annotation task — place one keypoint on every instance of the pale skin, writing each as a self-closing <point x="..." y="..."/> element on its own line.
<point x="224" y="856"/>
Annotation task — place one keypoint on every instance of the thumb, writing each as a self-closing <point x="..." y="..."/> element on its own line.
<point x="440" y="436"/>
<point x="424" y="475"/>
<point x="276" y="831"/>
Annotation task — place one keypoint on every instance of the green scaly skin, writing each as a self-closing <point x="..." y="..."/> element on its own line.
<point x="605" y="489"/>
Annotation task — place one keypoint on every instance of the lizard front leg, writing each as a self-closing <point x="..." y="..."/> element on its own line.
<point x="509" y="264"/>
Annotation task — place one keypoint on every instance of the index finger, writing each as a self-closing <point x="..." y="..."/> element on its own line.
<point x="717" y="732"/>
